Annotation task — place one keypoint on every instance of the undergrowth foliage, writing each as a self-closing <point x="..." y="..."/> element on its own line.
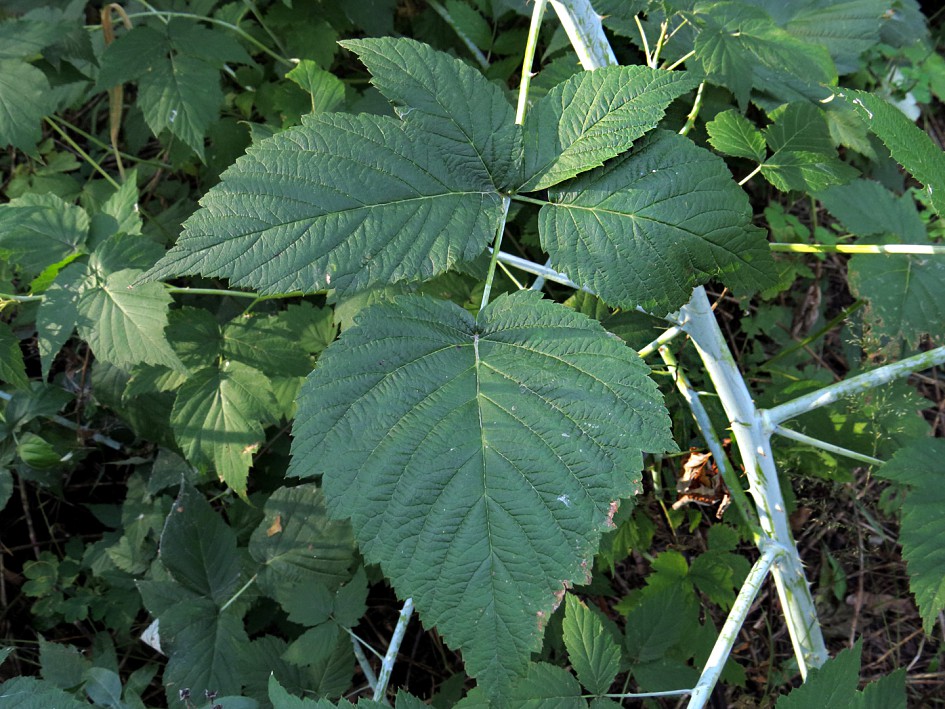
<point x="348" y="277"/>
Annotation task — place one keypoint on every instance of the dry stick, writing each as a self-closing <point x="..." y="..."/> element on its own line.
<point x="116" y="94"/>
<point x="27" y="513"/>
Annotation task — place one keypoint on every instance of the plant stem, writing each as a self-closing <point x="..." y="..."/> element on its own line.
<point x="213" y="291"/>
<point x="583" y="27"/>
<point x="73" y="426"/>
<point x="749" y="175"/>
<point x="823" y="445"/>
<point x="753" y="440"/>
<point x="496" y="245"/>
<point x="531" y="45"/>
<point x="85" y="156"/>
<point x="701" y="416"/>
<point x="680" y="60"/>
<point x="251" y="5"/>
<point x="363" y="663"/>
<point x="387" y="666"/>
<point x="694" y="113"/>
<point x="538" y="270"/>
<point x="644" y="695"/>
<point x="928" y="249"/>
<point x="239" y="593"/>
<point x="21" y="298"/>
<point x="668" y="335"/>
<point x="166" y="15"/>
<point x="463" y="37"/>
<point x="853" y="385"/>
<point x="733" y="624"/>
<point x="99" y="144"/>
<point x="646" y="43"/>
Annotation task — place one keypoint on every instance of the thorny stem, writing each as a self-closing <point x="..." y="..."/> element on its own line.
<point x="694" y="113"/>
<point x="387" y="666"/>
<point x="704" y="423"/>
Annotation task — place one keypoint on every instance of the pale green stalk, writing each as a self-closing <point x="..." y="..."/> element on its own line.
<point x="849" y="387"/>
<point x="238" y="593"/>
<point x="667" y="336"/>
<point x="701" y="416"/>
<point x="925" y="249"/>
<point x="85" y="156"/>
<point x="694" y="113"/>
<point x="210" y="291"/>
<point x="823" y="445"/>
<point x="21" y="298"/>
<point x="363" y="663"/>
<point x="758" y="459"/>
<point x="751" y="174"/>
<point x="73" y="426"/>
<point x="733" y="624"/>
<point x="387" y="666"/>
<point x="536" y="269"/>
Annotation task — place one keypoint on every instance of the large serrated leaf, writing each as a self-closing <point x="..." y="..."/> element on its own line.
<point x="648" y="227"/>
<point x="847" y="28"/>
<point x="33" y="693"/>
<point x="217" y="419"/>
<point x="593" y="653"/>
<point x="920" y="466"/>
<point x="593" y="117"/>
<point x="341" y="202"/>
<point x="454" y="105"/>
<point x="478" y="459"/>
<point x="910" y="147"/>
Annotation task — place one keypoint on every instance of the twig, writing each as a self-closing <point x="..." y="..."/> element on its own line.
<point x="387" y="666"/>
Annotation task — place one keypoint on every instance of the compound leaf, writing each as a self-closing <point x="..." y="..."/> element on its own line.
<point x="478" y="459"/>
<point x="593" y="117"/>
<point x="651" y="225"/>
<point x="24" y="100"/>
<point x="733" y="134"/>
<point x="450" y="103"/>
<point x="910" y="147"/>
<point x="199" y="548"/>
<point x="124" y="325"/>
<point x="920" y="466"/>
<point x="594" y="655"/>
<point x="343" y="202"/>
<point x="217" y="419"/>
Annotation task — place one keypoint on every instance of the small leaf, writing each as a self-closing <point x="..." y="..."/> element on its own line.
<point x="910" y="147"/>
<point x="327" y="90"/>
<point x="920" y="466"/>
<point x="494" y="453"/>
<point x="546" y="685"/>
<point x="593" y="653"/>
<point x="309" y="548"/>
<point x="217" y="419"/>
<point x="37" y="230"/>
<point x="58" y="313"/>
<point x="344" y="202"/>
<point x="124" y="325"/>
<point x="595" y="116"/>
<point x="104" y="687"/>
<point x="199" y="548"/>
<point x="32" y="693"/>
<point x="12" y="367"/>
<point x="24" y="100"/>
<point x="454" y="106"/>
<point x="867" y="208"/>
<point x="651" y="225"/>
<point x="62" y="665"/>
<point x="732" y="134"/>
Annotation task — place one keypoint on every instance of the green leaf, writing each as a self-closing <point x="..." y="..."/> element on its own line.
<point x="594" y="655"/>
<point x="250" y="340"/>
<point x="847" y="28"/>
<point x="920" y="466"/>
<point x="62" y="665"/>
<point x="593" y="117"/>
<point x="866" y="208"/>
<point x="732" y="134"/>
<point x="297" y="542"/>
<point x="37" y="230"/>
<point x="835" y="685"/>
<point x="12" y="367"/>
<point x="470" y="23"/>
<point x="478" y="460"/>
<point x="124" y="325"/>
<point x="24" y="100"/>
<point x="327" y="90"/>
<point x="342" y="202"/>
<point x="739" y="47"/>
<point x="663" y="618"/>
<point x="546" y="686"/>
<point x="104" y="688"/>
<point x="6" y="491"/>
<point x="217" y="419"/>
<point x="649" y="226"/>
<point x="453" y="106"/>
<point x="910" y="147"/>
<point x="804" y="157"/>
<point x="903" y="293"/>
<point x="37" y="452"/>
<point x="199" y="548"/>
<point x="32" y="693"/>
<point x="177" y="69"/>
<point x="58" y="313"/>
